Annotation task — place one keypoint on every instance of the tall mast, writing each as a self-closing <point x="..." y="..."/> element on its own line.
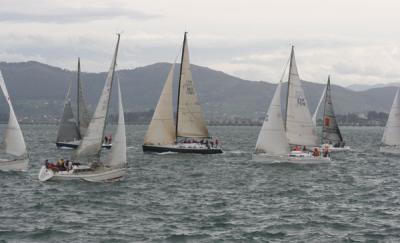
<point x="179" y="85"/>
<point x="288" y="84"/>
<point x="77" y="89"/>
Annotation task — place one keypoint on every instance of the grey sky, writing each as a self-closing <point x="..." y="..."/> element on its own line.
<point x="356" y="41"/>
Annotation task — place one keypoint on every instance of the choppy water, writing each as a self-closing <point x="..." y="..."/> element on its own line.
<point x="209" y="198"/>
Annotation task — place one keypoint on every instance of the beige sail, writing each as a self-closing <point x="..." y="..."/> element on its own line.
<point x="161" y="130"/>
<point x="300" y="129"/>
<point x="190" y="119"/>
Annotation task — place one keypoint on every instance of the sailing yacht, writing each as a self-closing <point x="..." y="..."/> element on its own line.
<point x="331" y="136"/>
<point x="189" y="134"/>
<point x="13" y="144"/>
<point x="295" y="135"/>
<point x="391" y="134"/>
<point x="87" y="164"/>
<point x="71" y="131"/>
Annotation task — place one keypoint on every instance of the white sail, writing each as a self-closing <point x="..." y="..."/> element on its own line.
<point x="314" y="117"/>
<point x="391" y="134"/>
<point x="118" y="150"/>
<point x="14" y="142"/>
<point x="272" y="138"/>
<point x="300" y="129"/>
<point x="161" y="130"/>
<point x="190" y="120"/>
<point x="68" y="130"/>
<point x="83" y="114"/>
<point x="92" y="141"/>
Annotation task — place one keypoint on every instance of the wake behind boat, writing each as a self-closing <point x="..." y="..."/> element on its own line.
<point x="276" y="137"/>
<point x="391" y="134"/>
<point x="190" y="133"/>
<point x="13" y="144"/>
<point x="71" y="131"/>
<point x="86" y="164"/>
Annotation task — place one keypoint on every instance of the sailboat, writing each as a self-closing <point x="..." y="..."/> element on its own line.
<point x="391" y="134"/>
<point x="278" y="135"/>
<point x="13" y="144"/>
<point x="331" y="136"/>
<point x="71" y="131"/>
<point x="189" y="134"/>
<point x="87" y="164"/>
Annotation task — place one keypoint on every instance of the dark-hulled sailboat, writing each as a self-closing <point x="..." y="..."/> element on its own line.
<point x="71" y="131"/>
<point x="189" y="134"/>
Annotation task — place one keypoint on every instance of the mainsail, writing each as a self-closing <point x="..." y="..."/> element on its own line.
<point x="68" y="130"/>
<point x="118" y="150"/>
<point x="83" y="114"/>
<point x="272" y="138"/>
<point x="161" y="130"/>
<point x="93" y="139"/>
<point x="330" y="129"/>
<point x="14" y="142"/>
<point x="190" y="120"/>
<point x="391" y="134"/>
<point x="299" y="126"/>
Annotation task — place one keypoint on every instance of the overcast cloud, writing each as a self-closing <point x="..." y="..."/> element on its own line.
<point x="355" y="41"/>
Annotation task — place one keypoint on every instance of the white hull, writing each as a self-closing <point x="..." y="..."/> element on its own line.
<point x="14" y="165"/>
<point x="293" y="157"/>
<point x="101" y="175"/>
<point x="390" y="149"/>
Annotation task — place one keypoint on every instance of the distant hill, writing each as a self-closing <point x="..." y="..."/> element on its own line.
<point x="39" y="89"/>
<point x="364" y="87"/>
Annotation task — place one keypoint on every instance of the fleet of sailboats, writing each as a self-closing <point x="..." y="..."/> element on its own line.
<point x="87" y="164"/>
<point x="290" y="136"/>
<point x="13" y="144"/>
<point x="189" y="134"/>
<point x="71" y="130"/>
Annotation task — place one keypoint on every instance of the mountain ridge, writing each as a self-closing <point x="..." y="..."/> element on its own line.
<point x="38" y="88"/>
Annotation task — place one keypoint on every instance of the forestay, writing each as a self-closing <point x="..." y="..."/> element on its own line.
<point x="272" y="138"/>
<point x="161" y="130"/>
<point x="118" y="151"/>
<point x="68" y="130"/>
<point x="391" y="135"/>
<point x="190" y="119"/>
<point x="299" y="126"/>
<point x="14" y="142"/>
<point x="330" y="129"/>
<point x="93" y="139"/>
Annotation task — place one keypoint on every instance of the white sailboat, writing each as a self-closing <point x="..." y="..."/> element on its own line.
<point x="71" y="130"/>
<point x="300" y="129"/>
<point x="391" y="134"/>
<point x="87" y="162"/>
<point x="13" y="144"/>
<point x="331" y="138"/>
<point x="189" y="134"/>
<point x="273" y="139"/>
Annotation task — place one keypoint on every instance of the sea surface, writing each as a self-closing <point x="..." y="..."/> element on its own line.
<point x="208" y="198"/>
